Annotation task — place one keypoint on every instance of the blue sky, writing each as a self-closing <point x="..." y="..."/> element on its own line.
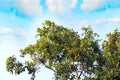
<point x="20" y="18"/>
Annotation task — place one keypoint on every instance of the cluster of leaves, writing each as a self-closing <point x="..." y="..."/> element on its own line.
<point x="70" y="55"/>
<point x="111" y="53"/>
<point x="15" y="67"/>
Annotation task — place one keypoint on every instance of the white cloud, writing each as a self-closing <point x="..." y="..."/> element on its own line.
<point x="29" y="7"/>
<point x="114" y="20"/>
<point x="99" y="21"/>
<point x="21" y="32"/>
<point x="13" y="35"/>
<point x="5" y="30"/>
<point x="73" y="4"/>
<point x="106" y="21"/>
<point x="90" y="5"/>
<point x="26" y="7"/>
<point x="11" y="31"/>
<point x="84" y="21"/>
<point x="60" y="6"/>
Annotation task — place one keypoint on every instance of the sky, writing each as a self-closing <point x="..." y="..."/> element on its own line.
<point x="20" y="18"/>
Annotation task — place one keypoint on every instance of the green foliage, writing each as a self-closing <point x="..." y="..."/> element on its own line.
<point x="9" y="63"/>
<point x="111" y="48"/>
<point x="14" y="67"/>
<point x="70" y="55"/>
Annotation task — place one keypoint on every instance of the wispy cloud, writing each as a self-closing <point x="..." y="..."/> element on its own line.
<point x="5" y="30"/>
<point x="99" y="21"/>
<point x="106" y="21"/>
<point x="13" y="35"/>
<point x="92" y="5"/>
<point x="29" y="8"/>
<point x="11" y="31"/>
<point x="84" y="21"/>
<point x="114" y="20"/>
<point x="60" y="6"/>
<point x="21" y="32"/>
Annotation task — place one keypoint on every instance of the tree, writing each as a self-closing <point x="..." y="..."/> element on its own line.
<point x="111" y="52"/>
<point x="69" y="55"/>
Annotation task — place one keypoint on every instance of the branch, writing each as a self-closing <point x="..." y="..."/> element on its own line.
<point x="50" y="68"/>
<point x="80" y="74"/>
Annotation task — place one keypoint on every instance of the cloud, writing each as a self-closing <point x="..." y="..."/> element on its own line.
<point x="5" y="30"/>
<point x="106" y="21"/>
<point x="29" y="8"/>
<point x="84" y="21"/>
<point x="73" y="4"/>
<point x="60" y="6"/>
<point x="21" y="32"/>
<point x="99" y="21"/>
<point x="114" y="20"/>
<point x="93" y="5"/>
<point x="12" y="31"/>
<point x="89" y="5"/>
